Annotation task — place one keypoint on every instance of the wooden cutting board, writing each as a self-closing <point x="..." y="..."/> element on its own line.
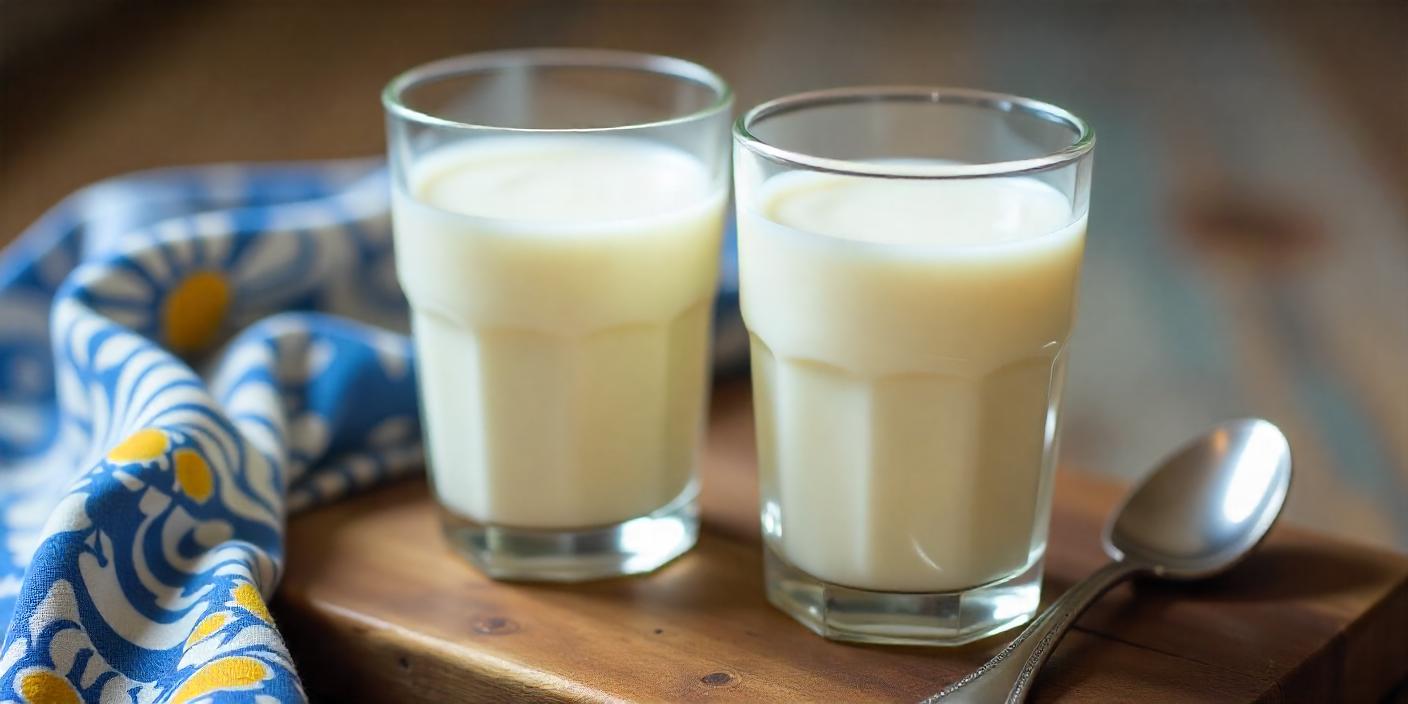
<point x="376" y="608"/>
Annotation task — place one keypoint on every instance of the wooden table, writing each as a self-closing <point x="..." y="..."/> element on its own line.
<point x="376" y="608"/>
<point x="1246" y="256"/>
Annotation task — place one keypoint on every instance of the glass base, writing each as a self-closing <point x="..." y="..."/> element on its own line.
<point x="636" y="546"/>
<point x="896" y="618"/>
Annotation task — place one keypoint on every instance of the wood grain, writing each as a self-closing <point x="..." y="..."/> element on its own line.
<point x="376" y="608"/>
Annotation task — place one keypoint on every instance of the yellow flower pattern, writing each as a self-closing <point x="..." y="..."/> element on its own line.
<point x="207" y="626"/>
<point x="193" y="475"/>
<point x="44" y="687"/>
<point x="248" y="598"/>
<point x="144" y="445"/>
<point x="193" y="311"/>
<point x="232" y="673"/>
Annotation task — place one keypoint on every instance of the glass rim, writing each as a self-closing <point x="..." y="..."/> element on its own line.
<point x="606" y="59"/>
<point x="1083" y="143"/>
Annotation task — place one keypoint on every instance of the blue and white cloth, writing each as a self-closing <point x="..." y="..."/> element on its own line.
<point x="186" y="357"/>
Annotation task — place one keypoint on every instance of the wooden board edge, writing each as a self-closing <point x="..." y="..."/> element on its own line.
<point x="1364" y="662"/>
<point x="347" y="656"/>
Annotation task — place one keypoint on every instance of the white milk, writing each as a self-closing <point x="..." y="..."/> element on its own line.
<point x="907" y="365"/>
<point x="561" y="290"/>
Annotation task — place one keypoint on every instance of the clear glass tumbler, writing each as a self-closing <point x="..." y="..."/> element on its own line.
<point x="909" y="260"/>
<point x="557" y="217"/>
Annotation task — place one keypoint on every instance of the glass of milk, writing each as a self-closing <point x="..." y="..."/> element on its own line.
<point x="557" y="218"/>
<point x="909" y="260"/>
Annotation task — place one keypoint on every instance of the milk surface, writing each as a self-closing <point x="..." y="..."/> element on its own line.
<point x="907" y="343"/>
<point x="561" y="291"/>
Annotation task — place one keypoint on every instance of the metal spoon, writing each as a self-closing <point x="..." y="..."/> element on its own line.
<point x="1201" y="511"/>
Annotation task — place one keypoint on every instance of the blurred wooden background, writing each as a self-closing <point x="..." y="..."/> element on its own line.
<point x="1249" y="231"/>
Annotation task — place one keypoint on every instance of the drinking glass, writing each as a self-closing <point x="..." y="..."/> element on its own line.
<point x="909" y="260"/>
<point x="557" y="216"/>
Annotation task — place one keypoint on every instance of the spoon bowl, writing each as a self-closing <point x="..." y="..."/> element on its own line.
<point x="1198" y="514"/>
<point x="1207" y="505"/>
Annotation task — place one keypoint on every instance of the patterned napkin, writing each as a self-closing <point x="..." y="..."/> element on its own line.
<point x="186" y="356"/>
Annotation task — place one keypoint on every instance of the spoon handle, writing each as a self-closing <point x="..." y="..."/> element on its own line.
<point x="1007" y="676"/>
